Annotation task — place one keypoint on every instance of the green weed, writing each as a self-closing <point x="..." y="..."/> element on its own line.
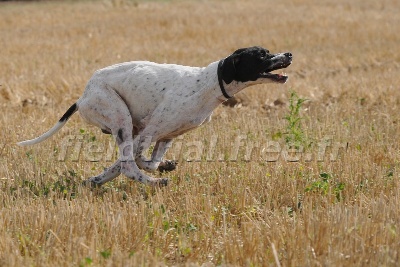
<point x="295" y="135"/>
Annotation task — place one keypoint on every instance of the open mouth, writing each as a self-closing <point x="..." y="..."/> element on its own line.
<point x="279" y="78"/>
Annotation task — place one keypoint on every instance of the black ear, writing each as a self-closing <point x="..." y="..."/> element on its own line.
<point x="229" y="68"/>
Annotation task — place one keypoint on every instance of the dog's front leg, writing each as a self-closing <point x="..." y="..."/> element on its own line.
<point x="156" y="161"/>
<point x="130" y="152"/>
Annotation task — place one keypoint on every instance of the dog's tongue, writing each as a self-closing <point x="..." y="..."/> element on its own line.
<point x="278" y="77"/>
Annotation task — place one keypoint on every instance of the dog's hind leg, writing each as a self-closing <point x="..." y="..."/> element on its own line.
<point x="108" y="175"/>
<point x="108" y="110"/>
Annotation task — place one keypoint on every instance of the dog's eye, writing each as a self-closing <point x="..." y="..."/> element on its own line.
<point x="263" y="55"/>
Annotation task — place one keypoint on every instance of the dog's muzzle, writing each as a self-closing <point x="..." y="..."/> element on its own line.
<point x="280" y="61"/>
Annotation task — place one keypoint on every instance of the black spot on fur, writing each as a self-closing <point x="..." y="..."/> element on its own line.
<point x="120" y="136"/>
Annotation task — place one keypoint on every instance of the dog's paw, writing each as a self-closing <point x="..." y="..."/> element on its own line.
<point x="91" y="183"/>
<point x="161" y="182"/>
<point x="167" y="166"/>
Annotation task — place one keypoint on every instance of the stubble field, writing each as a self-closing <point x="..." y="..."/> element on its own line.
<point x="243" y="193"/>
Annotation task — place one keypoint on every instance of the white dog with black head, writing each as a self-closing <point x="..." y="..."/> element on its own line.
<point x="142" y="102"/>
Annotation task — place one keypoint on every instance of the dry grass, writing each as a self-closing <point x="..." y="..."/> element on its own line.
<point x="230" y="213"/>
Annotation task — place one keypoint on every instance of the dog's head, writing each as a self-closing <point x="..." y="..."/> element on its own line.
<point x="254" y="65"/>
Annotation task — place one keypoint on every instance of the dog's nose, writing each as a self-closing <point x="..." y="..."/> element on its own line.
<point x="289" y="55"/>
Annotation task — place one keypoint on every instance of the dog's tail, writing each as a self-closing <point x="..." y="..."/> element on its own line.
<point x="53" y="130"/>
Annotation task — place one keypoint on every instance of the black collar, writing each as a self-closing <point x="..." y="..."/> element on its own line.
<point x="221" y="83"/>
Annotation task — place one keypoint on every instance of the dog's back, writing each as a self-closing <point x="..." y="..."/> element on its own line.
<point x="145" y="85"/>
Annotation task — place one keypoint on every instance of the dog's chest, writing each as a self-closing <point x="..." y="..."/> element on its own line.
<point x="177" y="115"/>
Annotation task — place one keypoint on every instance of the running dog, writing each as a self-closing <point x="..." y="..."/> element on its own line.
<point x="142" y="102"/>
